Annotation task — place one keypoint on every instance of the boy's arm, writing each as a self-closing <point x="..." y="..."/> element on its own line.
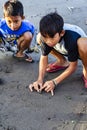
<point x="72" y="67"/>
<point x="42" y="67"/>
<point x="50" y="85"/>
<point x="37" y="85"/>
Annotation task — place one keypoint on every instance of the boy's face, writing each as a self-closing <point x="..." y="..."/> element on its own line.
<point x="51" y="41"/>
<point x="13" y="22"/>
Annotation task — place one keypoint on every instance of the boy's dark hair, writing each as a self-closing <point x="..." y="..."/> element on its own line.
<point x="13" y="8"/>
<point x="51" y="24"/>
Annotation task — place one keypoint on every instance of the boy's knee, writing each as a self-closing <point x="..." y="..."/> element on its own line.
<point x="38" y="38"/>
<point x="82" y="44"/>
<point x="82" y="48"/>
<point x="28" y="36"/>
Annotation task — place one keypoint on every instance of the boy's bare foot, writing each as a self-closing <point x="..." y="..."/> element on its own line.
<point x="53" y="67"/>
<point x="25" y="57"/>
<point x="19" y="54"/>
<point x="65" y="64"/>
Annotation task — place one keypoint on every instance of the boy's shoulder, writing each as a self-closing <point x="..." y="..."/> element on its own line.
<point x="27" y="23"/>
<point x="2" y="22"/>
<point x="28" y="26"/>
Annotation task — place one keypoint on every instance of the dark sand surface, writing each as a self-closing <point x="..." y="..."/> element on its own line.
<point x="22" y="110"/>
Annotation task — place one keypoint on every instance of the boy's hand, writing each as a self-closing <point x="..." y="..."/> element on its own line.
<point x="48" y="87"/>
<point x="37" y="85"/>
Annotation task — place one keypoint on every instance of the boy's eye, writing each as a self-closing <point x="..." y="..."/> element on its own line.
<point x="9" y="21"/>
<point x="16" y="21"/>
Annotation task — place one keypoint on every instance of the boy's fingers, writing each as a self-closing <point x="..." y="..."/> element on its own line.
<point x="52" y="93"/>
<point x="31" y="87"/>
<point x="42" y="87"/>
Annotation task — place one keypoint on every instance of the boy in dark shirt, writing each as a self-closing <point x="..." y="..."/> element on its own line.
<point x="60" y="39"/>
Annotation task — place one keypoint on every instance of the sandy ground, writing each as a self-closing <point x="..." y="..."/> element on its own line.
<point x="22" y="110"/>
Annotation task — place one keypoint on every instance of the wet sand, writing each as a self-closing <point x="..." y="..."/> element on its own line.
<point x="22" y="110"/>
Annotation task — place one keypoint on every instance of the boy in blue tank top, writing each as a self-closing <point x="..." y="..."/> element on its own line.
<point x="15" y="32"/>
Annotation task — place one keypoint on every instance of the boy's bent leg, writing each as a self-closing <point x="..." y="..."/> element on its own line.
<point x="38" y="38"/>
<point x="24" y="43"/>
<point x="60" y="64"/>
<point x="82" y="48"/>
<point x="61" y="60"/>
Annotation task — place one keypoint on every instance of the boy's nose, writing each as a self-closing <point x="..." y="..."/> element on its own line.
<point x="13" y="26"/>
<point x="48" y="41"/>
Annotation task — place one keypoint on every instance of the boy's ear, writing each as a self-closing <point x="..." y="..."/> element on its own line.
<point x="62" y="33"/>
<point x="23" y="17"/>
<point x="4" y="15"/>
